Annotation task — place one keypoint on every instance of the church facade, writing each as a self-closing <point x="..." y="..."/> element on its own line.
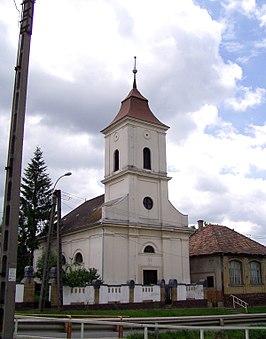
<point x="132" y="231"/>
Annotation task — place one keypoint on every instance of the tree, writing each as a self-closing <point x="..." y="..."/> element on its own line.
<point x="40" y="264"/>
<point x="35" y="207"/>
<point x="76" y="275"/>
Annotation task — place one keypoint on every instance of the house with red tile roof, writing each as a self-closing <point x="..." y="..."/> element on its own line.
<point x="229" y="263"/>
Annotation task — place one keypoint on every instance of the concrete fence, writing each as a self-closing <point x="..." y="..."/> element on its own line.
<point x="98" y="293"/>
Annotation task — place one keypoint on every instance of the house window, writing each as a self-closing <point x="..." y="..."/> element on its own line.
<point x="235" y="272"/>
<point x="210" y="281"/>
<point x="146" y="158"/>
<point x="78" y="258"/>
<point x="116" y="160"/>
<point x="149" y="249"/>
<point x="255" y="272"/>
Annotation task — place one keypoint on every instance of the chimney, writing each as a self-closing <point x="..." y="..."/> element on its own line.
<point x="200" y="224"/>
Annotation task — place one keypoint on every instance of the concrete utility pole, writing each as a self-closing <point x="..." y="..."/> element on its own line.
<point x="55" y="211"/>
<point x="8" y="263"/>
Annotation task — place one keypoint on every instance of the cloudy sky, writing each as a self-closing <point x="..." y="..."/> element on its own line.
<point x="200" y="63"/>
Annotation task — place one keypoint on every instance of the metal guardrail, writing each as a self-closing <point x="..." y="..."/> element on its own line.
<point x="120" y="325"/>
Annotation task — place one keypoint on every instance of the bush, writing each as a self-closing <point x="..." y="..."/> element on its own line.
<point x="78" y="276"/>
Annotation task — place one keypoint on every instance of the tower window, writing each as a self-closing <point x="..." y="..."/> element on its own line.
<point x="146" y="158"/>
<point x="149" y="249"/>
<point x="148" y="203"/>
<point x="116" y="160"/>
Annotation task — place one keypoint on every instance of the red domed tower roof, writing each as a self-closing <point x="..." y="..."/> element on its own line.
<point x="135" y="105"/>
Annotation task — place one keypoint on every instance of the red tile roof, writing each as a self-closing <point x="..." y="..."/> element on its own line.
<point x="136" y="106"/>
<point x="217" y="239"/>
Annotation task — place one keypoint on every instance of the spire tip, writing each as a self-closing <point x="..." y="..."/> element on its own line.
<point x="135" y="72"/>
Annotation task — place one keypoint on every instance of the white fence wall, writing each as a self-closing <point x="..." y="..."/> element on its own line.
<point x="19" y="293"/>
<point x="195" y="292"/>
<point x="144" y="293"/>
<point x="119" y="293"/>
<point x="114" y="294"/>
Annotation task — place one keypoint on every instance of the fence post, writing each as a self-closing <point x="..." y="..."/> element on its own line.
<point x="173" y="286"/>
<point x="29" y="285"/>
<point x="97" y="285"/>
<point x="131" y="286"/>
<point x="162" y="290"/>
<point x="145" y="332"/>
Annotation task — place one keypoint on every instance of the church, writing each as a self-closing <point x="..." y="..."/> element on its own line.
<point x="132" y="231"/>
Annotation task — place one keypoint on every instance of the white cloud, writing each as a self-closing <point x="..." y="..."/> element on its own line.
<point x="247" y="98"/>
<point x="261" y="15"/>
<point x="213" y="178"/>
<point x="81" y="61"/>
<point x="246" y="7"/>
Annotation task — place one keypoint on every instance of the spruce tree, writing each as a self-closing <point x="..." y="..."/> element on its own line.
<point x="35" y="207"/>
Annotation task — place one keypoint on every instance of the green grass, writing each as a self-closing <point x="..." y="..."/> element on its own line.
<point x="183" y="334"/>
<point x="157" y="312"/>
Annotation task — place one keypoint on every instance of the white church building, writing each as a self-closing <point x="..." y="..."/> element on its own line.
<point x="132" y="231"/>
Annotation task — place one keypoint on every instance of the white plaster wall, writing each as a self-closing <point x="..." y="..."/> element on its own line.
<point x="19" y="293"/>
<point x="88" y="242"/>
<point x="115" y="256"/>
<point x="82" y="295"/>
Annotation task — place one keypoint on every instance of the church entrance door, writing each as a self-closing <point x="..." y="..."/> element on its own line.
<point x="150" y="277"/>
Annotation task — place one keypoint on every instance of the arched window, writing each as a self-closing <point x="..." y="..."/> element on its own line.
<point x="235" y="272"/>
<point x="146" y="158"/>
<point x="255" y="272"/>
<point x="116" y="160"/>
<point x="63" y="260"/>
<point x="149" y="249"/>
<point x="78" y="258"/>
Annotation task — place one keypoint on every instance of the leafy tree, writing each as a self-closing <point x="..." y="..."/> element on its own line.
<point x="78" y="276"/>
<point x="35" y="207"/>
<point x="40" y="264"/>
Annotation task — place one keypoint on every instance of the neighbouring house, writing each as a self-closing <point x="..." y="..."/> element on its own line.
<point x="229" y="263"/>
<point x="132" y="232"/>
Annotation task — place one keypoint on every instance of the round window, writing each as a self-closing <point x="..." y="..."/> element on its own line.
<point x="148" y="203"/>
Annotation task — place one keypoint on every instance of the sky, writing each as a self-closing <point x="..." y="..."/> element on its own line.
<point x="201" y="64"/>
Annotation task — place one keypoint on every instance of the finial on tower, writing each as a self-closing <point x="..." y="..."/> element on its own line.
<point x="135" y="72"/>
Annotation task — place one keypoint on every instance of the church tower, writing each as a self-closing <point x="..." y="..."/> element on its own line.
<point x="136" y="196"/>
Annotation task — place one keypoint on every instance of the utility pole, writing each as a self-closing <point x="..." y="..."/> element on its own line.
<point x="55" y="215"/>
<point x="8" y="260"/>
<point x="45" y="273"/>
<point x="56" y="210"/>
<point x="59" y="253"/>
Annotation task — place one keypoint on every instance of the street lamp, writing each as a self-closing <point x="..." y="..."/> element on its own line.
<point x="67" y="174"/>
<point x="56" y="203"/>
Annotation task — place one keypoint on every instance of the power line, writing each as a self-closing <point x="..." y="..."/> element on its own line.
<point x="14" y="1"/>
<point x="73" y="196"/>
